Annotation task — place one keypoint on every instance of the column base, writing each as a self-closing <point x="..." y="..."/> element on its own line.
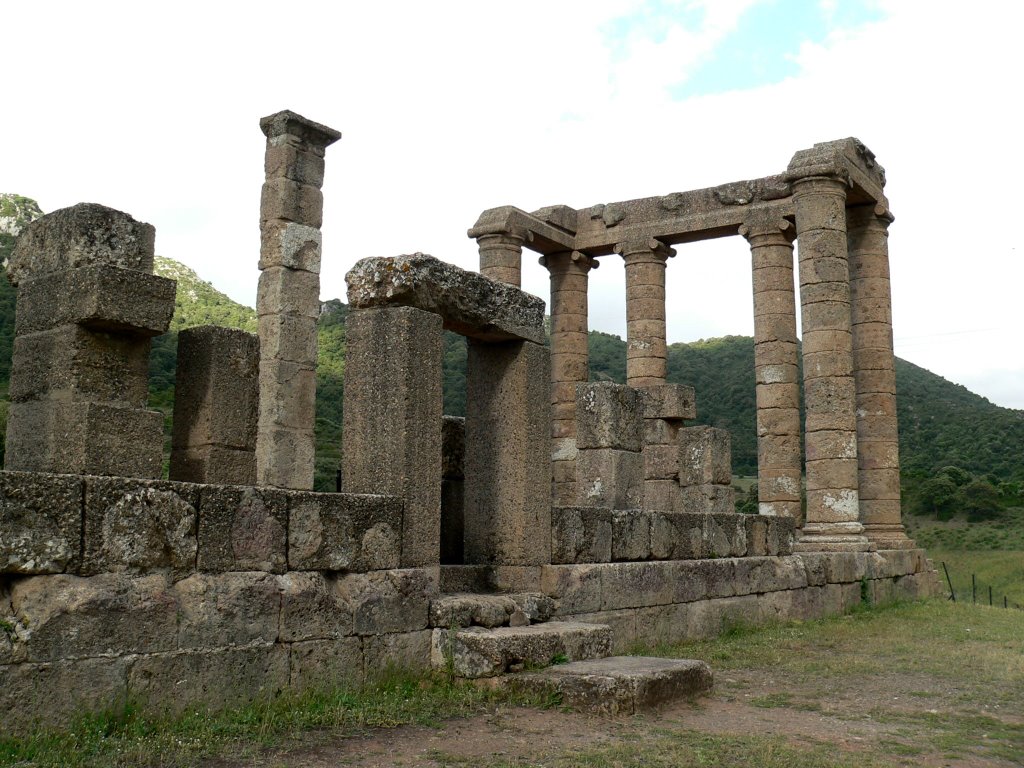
<point x="832" y="537"/>
<point x="888" y="537"/>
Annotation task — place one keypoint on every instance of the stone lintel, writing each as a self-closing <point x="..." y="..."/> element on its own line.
<point x="538" y="234"/>
<point x="847" y="159"/>
<point x="289" y="123"/>
<point x="467" y="302"/>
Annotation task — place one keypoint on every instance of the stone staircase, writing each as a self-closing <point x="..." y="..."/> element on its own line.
<point x="490" y="635"/>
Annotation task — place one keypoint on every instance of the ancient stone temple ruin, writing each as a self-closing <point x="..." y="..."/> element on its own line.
<point x="559" y="519"/>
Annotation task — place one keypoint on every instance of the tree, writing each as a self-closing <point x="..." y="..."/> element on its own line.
<point x="980" y="500"/>
<point x="937" y="496"/>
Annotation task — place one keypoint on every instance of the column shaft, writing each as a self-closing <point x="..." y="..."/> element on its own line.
<point x="775" y="366"/>
<point x="830" y="432"/>
<point x="875" y="377"/>
<point x="501" y="256"/>
<point x="646" y="350"/>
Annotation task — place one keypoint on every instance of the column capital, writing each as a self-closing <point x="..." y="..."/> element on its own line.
<point x="865" y="216"/>
<point x="280" y="125"/>
<point x="639" y="246"/>
<point x="565" y="260"/>
<point x="502" y="233"/>
<point x="760" y="225"/>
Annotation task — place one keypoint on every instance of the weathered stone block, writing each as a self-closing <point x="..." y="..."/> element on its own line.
<point x="781" y="535"/>
<point x="489" y="610"/>
<point x="726" y="534"/>
<point x="706" y="499"/>
<point x="286" y="200"/>
<point x="79" y="236"/>
<point x="631" y="535"/>
<point x="389" y="601"/>
<point x="609" y="416"/>
<point x="343" y="532"/>
<point x="242" y="529"/>
<point x="288" y="394"/>
<point x="633" y="585"/>
<point x="72" y="617"/>
<point x="101" y="298"/>
<point x="406" y="651"/>
<point x="575" y="588"/>
<point x="661" y="495"/>
<point x="284" y="291"/>
<point x="328" y="665"/>
<point x="661" y="462"/>
<point x="705" y="456"/>
<point x="214" y="464"/>
<point x="757" y="535"/>
<point x="296" y="163"/>
<point x="470" y="304"/>
<point x="392" y="420"/>
<point x="227" y="609"/>
<point x="623" y="624"/>
<point x="41" y="520"/>
<point x="703" y="579"/>
<point x="684" y="535"/>
<point x="286" y="244"/>
<point x="606" y="477"/>
<point x="673" y="402"/>
<point x="769" y="574"/>
<point x="581" y="535"/>
<point x="285" y="457"/>
<point x="313" y="608"/>
<point x="137" y="526"/>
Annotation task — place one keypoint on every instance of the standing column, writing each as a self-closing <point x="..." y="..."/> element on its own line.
<point x="501" y="253"/>
<point x="288" y="300"/>
<point x="775" y="365"/>
<point x="646" y="350"/>
<point x="830" y="430"/>
<point x="569" y="361"/>
<point x="875" y="376"/>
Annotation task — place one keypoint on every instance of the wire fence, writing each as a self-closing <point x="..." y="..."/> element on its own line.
<point x="977" y="590"/>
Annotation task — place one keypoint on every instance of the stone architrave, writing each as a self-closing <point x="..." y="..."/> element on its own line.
<point x="775" y="364"/>
<point x="830" y="431"/>
<point x="216" y="400"/>
<point x="875" y="375"/>
<point x="87" y="308"/>
<point x="288" y="301"/>
<point x="646" y="350"/>
<point x="569" y="361"/>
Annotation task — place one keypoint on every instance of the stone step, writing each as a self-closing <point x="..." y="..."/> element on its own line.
<point x="618" y="684"/>
<point x="495" y="610"/>
<point x="475" y="652"/>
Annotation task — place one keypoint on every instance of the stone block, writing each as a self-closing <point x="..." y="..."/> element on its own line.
<point x="288" y="337"/>
<point x="703" y="579"/>
<point x="404" y="651"/>
<point x="287" y="394"/>
<point x="282" y="199"/>
<point x="726" y="534"/>
<point x="814" y="568"/>
<point x="634" y="585"/>
<point x="705" y="456"/>
<point x="285" y="457"/>
<point x="392" y="419"/>
<point x="623" y="625"/>
<point x="661" y="495"/>
<point x="296" y="163"/>
<point x="471" y="304"/>
<point x="495" y="610"/>
<point x="607" y="477"/>
<point x="74" y="363"/>
<point x="769" y="574"/>
<point x="327" y="665"/>
<point x="84" y="438"/>
<point x="757" y="535"/>
<point x="662" y="624"/>
<point x="389" y="601"/>
<point x="343" y="532"/>
<point x="687" y="534"/>
<point x="41" y="520"/>
<point x="214" y="464"/>
<point x="176" y="682"/>
<point x="35" y="696"/>
<point x="661" y="462"/>
<point x="508" y="454"/>
<point x="581" y="535"/>
<point x="781" y="535"/>
<point x="82" y="235"/>
<point x="100" y="298"/>
<point x="673" y="402"/>
<point x="513" y="578"/>
<point x="313" y="608"/>
<point x="72" y="617"/>
<point x="227" y="609"/>
<point x="575" y="588"/>
<point x="631" y="535"/>
<point x="137" y="526"/>
<point x="284" y="291"/>
<point x="242" y="529"/>
<point x="661" y="432"/>
<point x="609" y="416"/>
<point x="706" y="499"/>
<point x="286" y="244"/>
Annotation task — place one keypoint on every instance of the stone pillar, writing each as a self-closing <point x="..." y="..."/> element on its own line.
<point x="392" y="419"/>
<point x="646" y="351"/>
<point x="288" y="301"/>
<point x="775" y="365"/>
<point x="507" y="467"/>
<point x="569" y="361"/>
<point x="216" y="400"/>
<point x="829" y="393"/>
<point x="501" y="253"/>
<point x="875" y="376"/>
<point x="610" y="436"/>
<point x="705" y="471"/>
<point x="664" y="410"/>
<point x="87" y="308"/>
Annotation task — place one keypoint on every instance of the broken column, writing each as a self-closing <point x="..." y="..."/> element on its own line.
<point x="288" y="301"/>
<point x="646" y="350"/>
<point x="216" y="400"/>
<point x="830" y="432"/>
<point x="875" y="377"/>
<point x="775" y="364"/>
<point x="87" y="309"/>
<point x="664" y="410"/>
<point x="609" y="437"/>
<point x="569" y="361"/>
<point x="705" y="471"/>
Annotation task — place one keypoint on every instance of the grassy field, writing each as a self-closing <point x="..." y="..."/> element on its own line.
<point x="875" y="688"/>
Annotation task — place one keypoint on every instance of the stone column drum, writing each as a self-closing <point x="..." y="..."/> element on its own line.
<point x="775" y="364"/>
<point x="501" y="253"/>
<point x="875" y="376"/>
<point x="646" y="350"/>
<point x="569" y="361"/>
<point x="288" y="301"/>
<point x="829" y="394"/>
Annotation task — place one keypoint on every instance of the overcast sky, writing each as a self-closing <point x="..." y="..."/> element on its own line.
<point x="449" y="108"/>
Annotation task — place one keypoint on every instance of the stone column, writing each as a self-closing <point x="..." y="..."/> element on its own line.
<point x="829" y="394"/>
<point x="288" y="301"/>
<point x="875" y="376"/>
<point x="569" y="361"/>
<point x="501" y="253"/>
<point x="646" y="350"/>
<point x="775" y="364"/>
